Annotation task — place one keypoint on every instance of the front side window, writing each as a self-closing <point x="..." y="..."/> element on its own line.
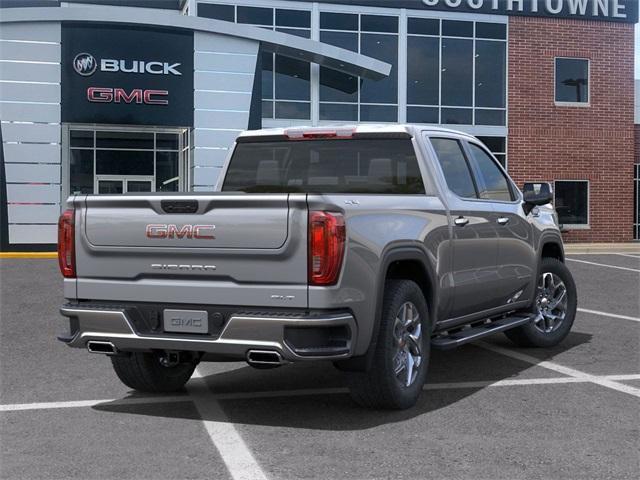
<point x="572" y="80"/>
<point x="454" y="166"/>
<point x="572" y="202"/>
<point x="366" y="166"/>
<point x="492" y="183"/>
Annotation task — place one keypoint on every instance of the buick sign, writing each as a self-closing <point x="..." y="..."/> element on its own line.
<point x="85" y="64"/>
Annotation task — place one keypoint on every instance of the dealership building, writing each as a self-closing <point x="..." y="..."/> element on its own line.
<point x="108" y="97"/>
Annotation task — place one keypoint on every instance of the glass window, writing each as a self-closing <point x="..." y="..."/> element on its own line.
<point x="337" y="86"/>
<point x="219" y="12"/>
<point x="572" y="202"/>
<point x="423" y="115"/>
<point x="378" y="113"/>
<point x="298" y="32"/>
<point x="423" y="26"/>
<point x="338" y="21"/>
<point x="379" y="23"/>
<point x="572" y="80"/>
<point x="490" y="117"/>
<point x="267" y="75"/>
<point x="292" y="79"/>
<point x="342" y="112"/>
<point x="455" y="28"/>
<point x="124" y="162"/>
<point x="167" y="141"/>
<point x="293" y="18"/>
<point x="385" y="48"/>
<point x="167" y="172"/>
<point x="491" y="74"/>
<point x="267" y="109"/>
<point x="492" y="183"/>
<point x="255" y="15"/>
<point x="497" y="31"/>
<point x="130" y="140"/>
<point x="81" y="171"/>
<point x="293" y="110"/>
<point x="423" y="70"/>
<point x="457" y="72"/>
<point x="326" y="166"/>
<point x="457" y="116"/>
<point x="454" y="166"/>
<point x="81" y="138"/>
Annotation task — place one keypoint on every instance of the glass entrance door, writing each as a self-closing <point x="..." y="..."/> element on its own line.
<point x="111" y="184"/>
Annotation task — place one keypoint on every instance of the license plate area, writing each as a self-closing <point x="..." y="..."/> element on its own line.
<point x="186" y="321"/>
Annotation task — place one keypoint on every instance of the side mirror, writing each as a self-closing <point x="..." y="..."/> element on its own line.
<point x="535" y="194"/>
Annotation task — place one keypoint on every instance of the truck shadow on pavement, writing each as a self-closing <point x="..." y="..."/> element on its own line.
<point x="314" y="395"/>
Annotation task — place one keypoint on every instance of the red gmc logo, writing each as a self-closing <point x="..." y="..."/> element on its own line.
<point x="120" y="95"/>
<point x="160" y="230"/>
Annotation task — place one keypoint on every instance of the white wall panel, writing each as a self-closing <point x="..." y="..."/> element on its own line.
<point x="205" y="176"/>
<point x="30" y="72"/>
<point x="222" y="100"/>
<point x="215" y="138"/>
<point x="30" y="112"/>
<point x="222" y="118"/>
<point x="33" y="193"/>
<point x="209" y="42"/>
<point x="39" y="32"/>
<point x="225" y="62"/>
<point x="33" y="52"/>
<point x="33" y="233"/>
<point x="29" y="92"/>
<point x="209" y="158"/>
<point x="32" y="172"/>
<point x="21" y="132"/>
<point x="32" y="152"/>
<point x="222" y="81"/>
<point x="33" y="213"/>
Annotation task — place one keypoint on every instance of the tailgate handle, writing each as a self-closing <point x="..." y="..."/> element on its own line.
<point x="179" y="206"/>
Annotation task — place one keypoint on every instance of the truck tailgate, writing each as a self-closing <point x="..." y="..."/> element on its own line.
<point x="218" y="249"/>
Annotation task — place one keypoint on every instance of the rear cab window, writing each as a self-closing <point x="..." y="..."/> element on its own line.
<point x="331" y="166"/>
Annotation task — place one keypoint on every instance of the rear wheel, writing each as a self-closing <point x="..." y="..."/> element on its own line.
<point x="152" y="372"/>
<point x="555" y="308"/>
<point x="401" y="355"/>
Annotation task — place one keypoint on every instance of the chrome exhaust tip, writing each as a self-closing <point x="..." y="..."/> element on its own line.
<point x="105" y="348"/>
<point x="264" y="358"/>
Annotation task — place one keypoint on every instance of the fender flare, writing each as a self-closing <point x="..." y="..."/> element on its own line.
<point x="393" y="253"/>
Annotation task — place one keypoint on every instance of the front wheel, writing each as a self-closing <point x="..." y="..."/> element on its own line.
<point x="555" y="308"/>
<point x="152" y="372"/>
<point x="401" y="354"/>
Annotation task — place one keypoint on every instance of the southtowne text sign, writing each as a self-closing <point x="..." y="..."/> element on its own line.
<point x="602" y="10"/>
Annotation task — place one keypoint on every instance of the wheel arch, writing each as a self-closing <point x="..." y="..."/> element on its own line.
<point x="409" y="262"/>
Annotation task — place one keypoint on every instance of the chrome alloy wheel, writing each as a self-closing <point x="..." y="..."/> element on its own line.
<point x="551" y="303"/>
<point x="407" y="334"/>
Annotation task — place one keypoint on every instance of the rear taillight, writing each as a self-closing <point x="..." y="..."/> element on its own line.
<point x="326" y="247"/>
<point x="66" y="244"/>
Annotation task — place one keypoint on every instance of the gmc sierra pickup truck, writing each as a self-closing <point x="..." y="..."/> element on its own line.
<point x="365" y="245"/>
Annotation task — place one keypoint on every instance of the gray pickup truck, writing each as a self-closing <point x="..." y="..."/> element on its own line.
<point x="366" y="246"/>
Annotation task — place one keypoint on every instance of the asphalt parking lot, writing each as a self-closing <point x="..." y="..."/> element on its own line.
<point x="489" y="410"/>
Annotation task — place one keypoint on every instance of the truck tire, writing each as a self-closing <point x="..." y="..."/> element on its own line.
<point x="556" y="303"/>
<point x="144" y="372"/>
<point x="402" y="347"/>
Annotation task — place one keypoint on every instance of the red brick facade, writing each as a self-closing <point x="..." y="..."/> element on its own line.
<point x="595" y="143"/>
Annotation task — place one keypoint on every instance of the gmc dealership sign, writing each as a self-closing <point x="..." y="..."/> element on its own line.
<point x="603" y="10"/>
<point x="115" y="75"/>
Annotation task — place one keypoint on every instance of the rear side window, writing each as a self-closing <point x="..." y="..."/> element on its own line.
<point x="454" y="166"/>
<point x="384" y="166"/>
<point x="492" y="183"/>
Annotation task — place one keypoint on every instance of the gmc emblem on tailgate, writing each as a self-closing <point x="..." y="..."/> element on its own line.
<point x="160" y="230"/>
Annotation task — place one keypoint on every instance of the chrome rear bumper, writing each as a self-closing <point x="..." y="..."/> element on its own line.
<point x="240" y="334"/>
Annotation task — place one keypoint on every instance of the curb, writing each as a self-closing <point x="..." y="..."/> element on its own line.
<point x="584" y="248"/>
<point x="28" y="255"/>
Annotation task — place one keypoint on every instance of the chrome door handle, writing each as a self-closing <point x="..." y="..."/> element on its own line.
<point x="461" y="221"/>
<point x="503" y="220"/>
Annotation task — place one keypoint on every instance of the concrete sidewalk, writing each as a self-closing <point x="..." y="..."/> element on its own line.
<point x="581" y="248"/>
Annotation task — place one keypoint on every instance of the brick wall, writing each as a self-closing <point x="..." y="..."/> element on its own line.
<point x="596" y="143"/>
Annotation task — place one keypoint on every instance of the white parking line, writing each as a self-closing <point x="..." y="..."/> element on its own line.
<point x="605" y="314"/>
<point x="16" y="407"/>
<point x="604" y="382"/>
<point x="604" y="265"/>
<point x="234" y="452"/>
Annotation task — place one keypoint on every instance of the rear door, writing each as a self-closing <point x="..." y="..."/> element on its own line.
<point x="517" y="258"/>
<point x="221" y="249"/>
<point x="474" y="233"/>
